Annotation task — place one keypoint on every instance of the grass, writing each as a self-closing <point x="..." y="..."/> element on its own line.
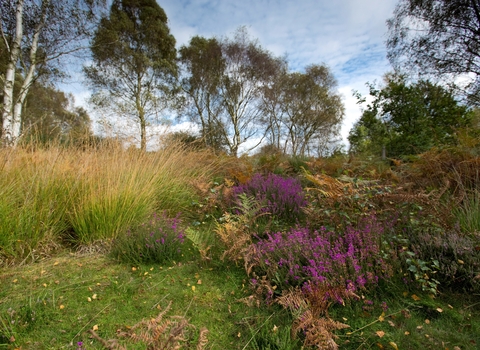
<point x="53" y="304"/>
<point x="412" y="321"/>
<point x="468" y="214"/>
<point x="83" y="195"/>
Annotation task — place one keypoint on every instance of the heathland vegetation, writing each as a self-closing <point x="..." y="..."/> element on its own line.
<point x="190" y="245"/>
<point x="106" y="247"/>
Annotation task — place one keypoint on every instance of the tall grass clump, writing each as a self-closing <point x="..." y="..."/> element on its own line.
<point x="118" y="188"/>
<point x="51" y="193"/>
<point x="468" y="214"/>
<point x="33" y="192"/>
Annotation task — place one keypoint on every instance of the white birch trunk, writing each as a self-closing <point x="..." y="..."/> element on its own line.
<point x="7" y="113"/>
<point x="17" y="110"/>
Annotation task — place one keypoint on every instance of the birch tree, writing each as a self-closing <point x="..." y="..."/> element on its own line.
<point x="224" y="82"/>
<point x="37" y="35"/>
<point x="134" y="60"/>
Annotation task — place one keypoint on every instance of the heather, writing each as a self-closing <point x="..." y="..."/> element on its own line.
<point x="351" y="260"/>
<point x="281" y="197"/>
<point x="159" y="240"/>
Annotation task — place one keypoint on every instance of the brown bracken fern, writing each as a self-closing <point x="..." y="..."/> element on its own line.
<point x="158" y="333"/>
<point x="309" y="307"/>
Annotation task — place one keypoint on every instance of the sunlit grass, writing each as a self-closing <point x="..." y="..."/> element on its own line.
<point x="82" y="195"/>
<point x="53" y="304"/>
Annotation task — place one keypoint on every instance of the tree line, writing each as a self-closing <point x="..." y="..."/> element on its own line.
<point x="234" y="91"/>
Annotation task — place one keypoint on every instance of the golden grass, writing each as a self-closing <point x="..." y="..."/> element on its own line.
<point x="88" y="194"/>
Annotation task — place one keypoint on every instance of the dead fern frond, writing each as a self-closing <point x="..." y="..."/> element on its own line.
<point x="235" y="236"/>
<point x="328" y="186"/>
<point x="111" y="344"/>
<point x="309" y="308"/>
<point x="157" y="333"/>
<point x="319" y="332"/>
<point x="202" y="340"/>
<point x="236" y="230"/>
<point x="202" y="241"/>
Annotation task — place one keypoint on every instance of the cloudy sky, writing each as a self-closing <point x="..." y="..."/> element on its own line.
<point x="347" y="35"/>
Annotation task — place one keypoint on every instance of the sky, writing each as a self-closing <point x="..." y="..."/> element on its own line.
<point x="347" y="35"/>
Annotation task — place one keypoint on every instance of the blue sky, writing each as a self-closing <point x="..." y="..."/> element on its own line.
<point x="347" y="35"/>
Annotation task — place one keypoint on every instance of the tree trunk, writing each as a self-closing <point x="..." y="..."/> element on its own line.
<point x="8" y="117"/>
<point x="141" y="114"/>
<point x="12" y="125"/>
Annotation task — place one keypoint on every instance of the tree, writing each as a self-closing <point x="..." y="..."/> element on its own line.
<point x="134" y="60"/>
<point x="50" y="114"/>
<point x="36" y="35"/>
<point x="407" y="119"/>
<point x="224" y="82"/>
<point x="204" y="66"/>
<point x="437" y="38"/>
<point x="248" y="69"/>
<point x="312" y="109"/>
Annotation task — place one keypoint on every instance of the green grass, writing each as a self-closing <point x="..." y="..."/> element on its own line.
<point x="412" y="321"/>
<point x="468" y="214"/>
<point x="46" y="305"/>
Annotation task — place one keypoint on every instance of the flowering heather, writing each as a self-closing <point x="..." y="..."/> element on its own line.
<point x="351" y="260"/>
<point x="158" y="240"/>
<point x="281" y="197"/>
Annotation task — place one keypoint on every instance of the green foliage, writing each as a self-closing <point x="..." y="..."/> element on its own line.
<point x="304" y="110"/>
<point x="223" y="85"/>
<point x="49" y="116"/>
<point x="204" y="65"/>
<point x="407" y="119"/>
<point x="435" y="38"/>
<point x="271" y="335"/>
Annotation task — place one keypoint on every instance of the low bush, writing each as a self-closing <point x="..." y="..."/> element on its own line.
<point x="349" y="261"/>
<point x="159" y="240"/>
<point x="458" y="258"/>
<point x="283" y="198"/>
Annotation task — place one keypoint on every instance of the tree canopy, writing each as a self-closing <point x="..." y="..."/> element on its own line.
<point x="223" y="84"/>
<point x="236" y="91"/>
<point x="437" y="38"/>
<point x="134" y="59"/>
<point x="407" y="118"/>
<point x="304" y="111"/>
<point x="50" y="114"/>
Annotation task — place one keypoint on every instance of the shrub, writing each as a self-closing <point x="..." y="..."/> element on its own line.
<point x="458" y="258"/>
<point x="157" y="241"/>
<point x="352" y="260"/>
<point x="281" y="197"/>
